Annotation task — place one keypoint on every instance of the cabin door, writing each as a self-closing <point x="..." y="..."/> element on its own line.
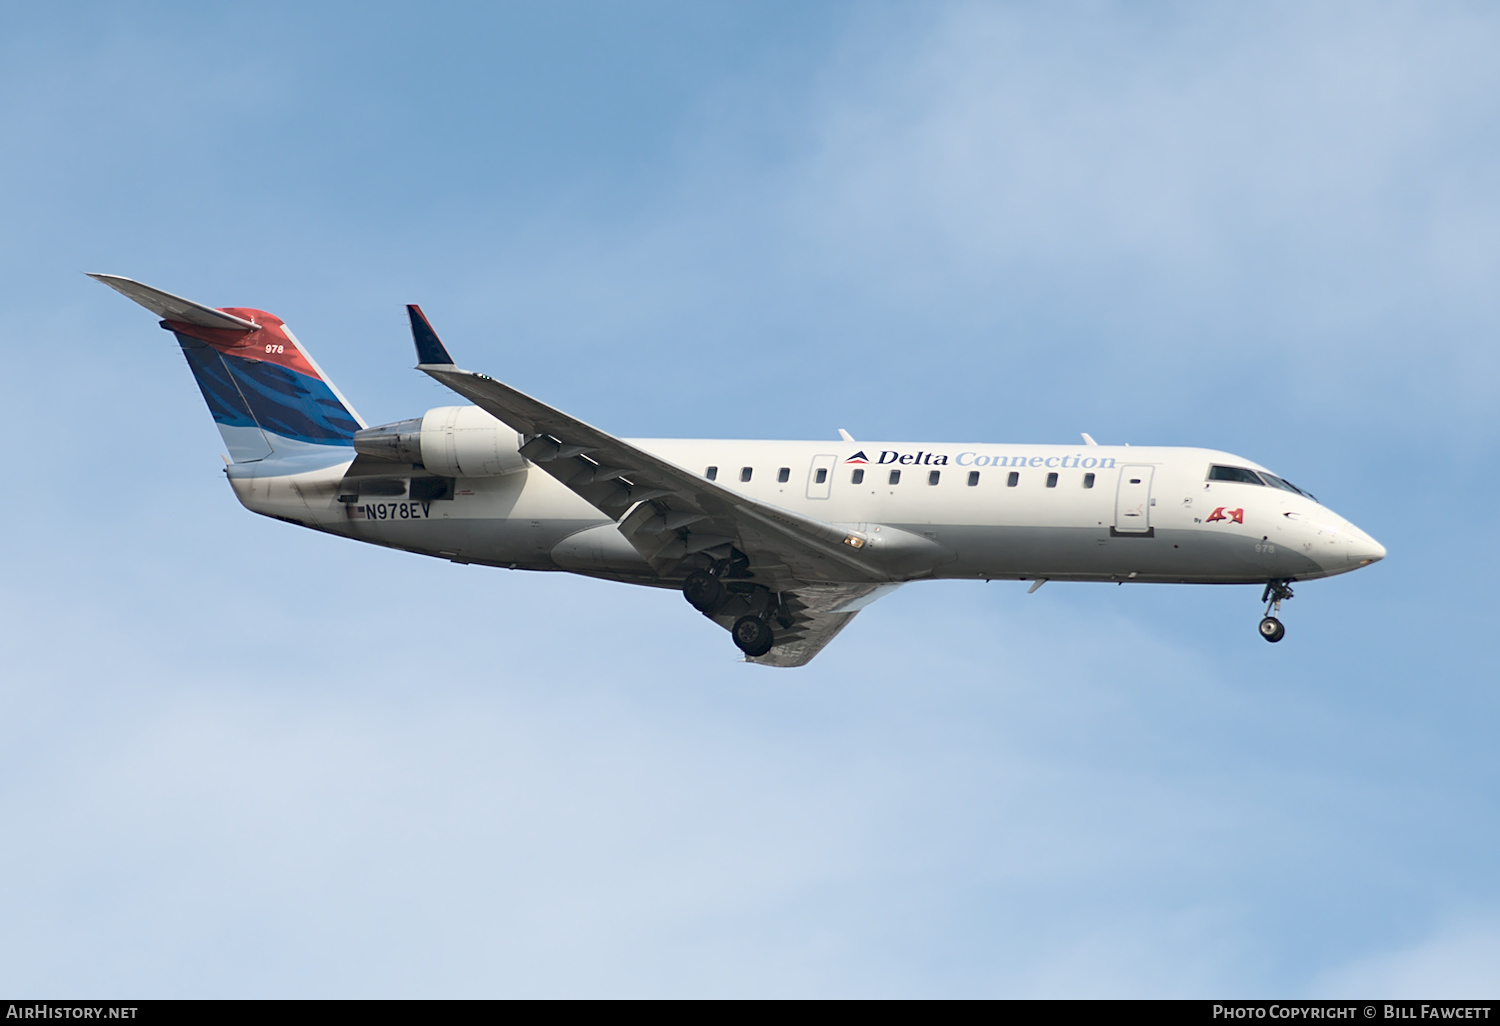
<point x="1133" y="501"/>
<point x="820" y="477"/>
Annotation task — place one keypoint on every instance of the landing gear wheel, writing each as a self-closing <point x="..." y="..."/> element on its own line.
<point x="753" y="635"/>
<point x="703" y="591"/>
<point x="1277" y="592"/>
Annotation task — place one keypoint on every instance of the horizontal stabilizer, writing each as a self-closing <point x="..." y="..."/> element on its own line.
<point x="430" y="349"/>
<point x="174" y="308"/>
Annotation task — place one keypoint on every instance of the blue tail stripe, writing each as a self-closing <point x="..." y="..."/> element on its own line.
<point x="219" y="391"/>
<point x="291" y="404"/>
<point x="280" y="401"/>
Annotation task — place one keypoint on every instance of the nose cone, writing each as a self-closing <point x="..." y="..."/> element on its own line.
<point x="1363" y="550"/>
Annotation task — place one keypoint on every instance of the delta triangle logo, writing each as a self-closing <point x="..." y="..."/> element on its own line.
<point x="858" y="457"/>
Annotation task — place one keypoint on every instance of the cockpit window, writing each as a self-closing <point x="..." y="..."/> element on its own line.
<point x="1240" y="474"/>
<point x="1277" y="482"/>
<point x="1245" y="476"/>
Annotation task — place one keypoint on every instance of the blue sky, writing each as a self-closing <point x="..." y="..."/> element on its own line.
<point x="246" y="760"/>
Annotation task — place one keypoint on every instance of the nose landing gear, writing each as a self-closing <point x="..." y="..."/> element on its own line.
<point x="1275" y="594"/>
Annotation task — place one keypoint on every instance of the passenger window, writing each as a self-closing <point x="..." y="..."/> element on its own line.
<point x="1239" y="474"/>
<point x="858" y="477"/>
<point x="784" y="475"/>
<point x="822" y="475"/>
<point x="1052" y="480"/>
<point x="895" y="477"/>
<point x="973" y="478"/>
<point x="745" y="473"/>
<point x="932" y="478"/>
<point x="712" y="473"/>
<point x="1013" y="480"/>
<point x="1088" y="480"/>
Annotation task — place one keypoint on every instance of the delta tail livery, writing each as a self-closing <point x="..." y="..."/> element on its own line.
<point x="780" y="543"/>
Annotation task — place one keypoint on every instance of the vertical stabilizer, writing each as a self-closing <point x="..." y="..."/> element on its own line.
<point x="266" y="394"/>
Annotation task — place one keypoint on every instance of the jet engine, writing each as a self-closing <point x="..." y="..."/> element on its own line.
<point x="449" y="441"/>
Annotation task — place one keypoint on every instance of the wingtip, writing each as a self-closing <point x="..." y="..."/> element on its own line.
<point x="430" y="349"/>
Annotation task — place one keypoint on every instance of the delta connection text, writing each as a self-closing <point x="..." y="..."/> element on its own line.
<point x="1317" y="1011"/>
<point x="977" y="459"/>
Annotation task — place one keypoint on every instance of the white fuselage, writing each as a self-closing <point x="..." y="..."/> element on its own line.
<point x="1111" y="513"/>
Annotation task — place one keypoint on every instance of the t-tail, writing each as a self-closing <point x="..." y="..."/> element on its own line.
<point x="272" y="403"/>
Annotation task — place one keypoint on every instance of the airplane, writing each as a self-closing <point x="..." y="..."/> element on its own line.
<point x="781" y="543"/>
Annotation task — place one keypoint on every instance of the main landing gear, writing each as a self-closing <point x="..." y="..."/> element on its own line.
<point x="703" y="591"/>
<point x="753" y="635"/>
<point x="1275" y="594"/>
<point x="707" y="592"/>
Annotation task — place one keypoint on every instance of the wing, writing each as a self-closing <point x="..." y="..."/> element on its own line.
<point x="820" y="574"/>
<point x="666" y="512"/>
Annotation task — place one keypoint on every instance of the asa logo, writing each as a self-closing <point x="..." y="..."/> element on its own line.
<point x="858" y="457"/>
<point x="1220" y="513"/>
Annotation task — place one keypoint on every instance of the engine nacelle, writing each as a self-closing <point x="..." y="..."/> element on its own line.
<point x="449" y="441"/>
<point x="464" y="441"/>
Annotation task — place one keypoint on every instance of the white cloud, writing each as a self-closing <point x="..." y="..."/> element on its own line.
<point x="1459" y="960"/>
<point x="1012" y="138"/>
